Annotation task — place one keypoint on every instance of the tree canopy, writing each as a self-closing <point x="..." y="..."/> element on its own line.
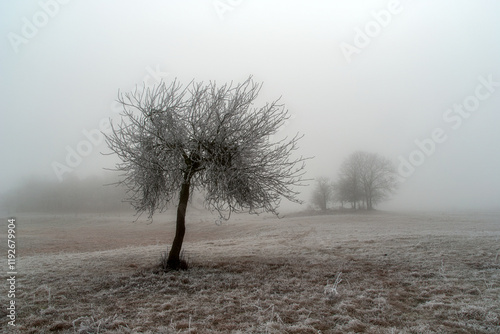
<point x="322" y="193"/>
<point x="173" y="139"/>
<point x="366" y="177"/>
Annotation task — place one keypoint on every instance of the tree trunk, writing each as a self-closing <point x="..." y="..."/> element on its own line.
<point x="173" y="261"/>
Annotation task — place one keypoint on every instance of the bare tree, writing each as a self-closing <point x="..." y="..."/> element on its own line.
<point x="349" y="183"/>
<point x="366" y="177"/>
<point x="173" y="139"/>
<point x="322" y="193"/>
<point x="343" y="193"/>
<point x="378" y="179"/>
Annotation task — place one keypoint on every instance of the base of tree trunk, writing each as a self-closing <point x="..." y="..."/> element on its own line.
<point x="176" y="265"/>
<point x="169" y="264"/>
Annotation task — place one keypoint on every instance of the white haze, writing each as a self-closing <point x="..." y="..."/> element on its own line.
<point x="396" y="90"/>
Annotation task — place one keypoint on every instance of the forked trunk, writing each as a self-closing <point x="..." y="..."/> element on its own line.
<point x="173" y="261"/>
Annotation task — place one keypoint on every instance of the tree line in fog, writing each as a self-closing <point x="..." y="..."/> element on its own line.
<point x="364" y="180"/>
<point x="73" y="195"/>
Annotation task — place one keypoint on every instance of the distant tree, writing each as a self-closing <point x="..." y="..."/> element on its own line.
<point x="366" y="177"/>
<point x="344" y="193"/>
<point x="322" y="193"/>
<point x="349" y="183"/>
<point x="378" y="179"/>
<point x="173" y="139"/>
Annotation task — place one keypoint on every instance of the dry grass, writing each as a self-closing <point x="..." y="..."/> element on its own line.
<point x="268" y="276"/>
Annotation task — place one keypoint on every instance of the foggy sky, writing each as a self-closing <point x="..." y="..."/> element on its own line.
<point x="62" y="65"/>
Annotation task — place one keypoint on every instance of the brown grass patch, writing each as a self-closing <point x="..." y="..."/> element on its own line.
<point x="256" y="284"/>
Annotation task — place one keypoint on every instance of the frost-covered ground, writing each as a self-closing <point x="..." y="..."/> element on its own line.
<point x="398" y="272"/>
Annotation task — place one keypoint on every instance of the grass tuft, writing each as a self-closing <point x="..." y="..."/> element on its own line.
<point x="165" y="266"/>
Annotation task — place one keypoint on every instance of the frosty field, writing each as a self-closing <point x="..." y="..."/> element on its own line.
<point x="398" y="272"/>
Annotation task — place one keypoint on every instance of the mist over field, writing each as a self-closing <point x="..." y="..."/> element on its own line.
<point x="390" y="105"/>
<point x="417" y="82"/>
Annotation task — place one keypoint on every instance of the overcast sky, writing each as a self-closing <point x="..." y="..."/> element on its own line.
<point x="377" y="76"/>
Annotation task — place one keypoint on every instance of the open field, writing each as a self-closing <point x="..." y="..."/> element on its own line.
<point x="400" y="273"/>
